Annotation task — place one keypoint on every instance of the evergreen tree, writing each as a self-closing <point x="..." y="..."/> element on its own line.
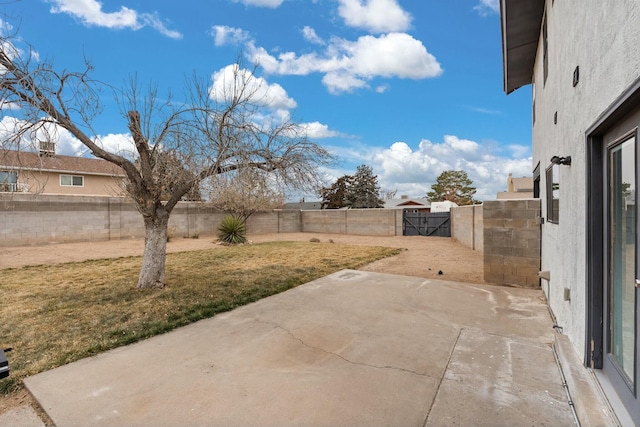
<point x="364" y="191"/>
<point x="454" y="186"/>
<point x="334" y="197"/>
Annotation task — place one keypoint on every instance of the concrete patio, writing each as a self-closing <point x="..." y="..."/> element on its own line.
<point x="351" y="349"/>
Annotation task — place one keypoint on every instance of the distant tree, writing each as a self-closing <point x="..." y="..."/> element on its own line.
<point x="454" y="186"/>
<point x="334" y="197"/>
<point x="388" y="194"/>
<point x="244" y="193"/>
<point x="364" y="191"/>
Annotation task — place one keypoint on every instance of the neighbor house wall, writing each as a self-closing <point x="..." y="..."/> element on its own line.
<point x="467" y="226"/>
<point x="46" y="182"/>
<point x="603" y="39"/>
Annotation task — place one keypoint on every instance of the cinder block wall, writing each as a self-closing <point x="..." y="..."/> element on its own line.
<point x="27" y="220"/>
<point x="512" y="242"/>
<point x="467" y="226"/>
<point x="289" y="221"/>
<point x="366" y="222"/>
<point x="325" y="221"/>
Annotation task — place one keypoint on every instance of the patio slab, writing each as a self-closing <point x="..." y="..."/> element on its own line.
<point x="351" y="349"/>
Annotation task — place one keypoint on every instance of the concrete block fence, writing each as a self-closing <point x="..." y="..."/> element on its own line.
<point x="506" y="231"/>
<point x="512" y="242"/>
<point x="30" y="220"/>
<point x="467" y="226"/>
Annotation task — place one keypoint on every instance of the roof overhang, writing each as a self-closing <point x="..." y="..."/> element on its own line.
<point x="520" y="21"/>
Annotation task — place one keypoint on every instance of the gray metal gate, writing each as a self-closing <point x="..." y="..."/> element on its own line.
<point x="426" y="224"/>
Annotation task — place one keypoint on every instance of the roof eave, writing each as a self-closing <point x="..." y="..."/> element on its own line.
<point x="63" y="171"/>
<point x="520" y="22"/>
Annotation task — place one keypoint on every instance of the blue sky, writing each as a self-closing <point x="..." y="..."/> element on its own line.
<point x="408" y="87"/>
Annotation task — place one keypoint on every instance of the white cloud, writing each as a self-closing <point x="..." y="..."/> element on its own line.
<point x="379" y="16"/>
<point x="412" y="171"/>
<point x="337" y="82"/>
<point x="90" y="13"/>
<point x="272" y="100"/>
<point x="66" y="143"/>
<point x="486" y="111"/>
<point x="310" y="35"/>
<point x="154" y="21"/>
<point x="349" y="65"/>
<point x="488" y="7"/>
<point x="261" y="3"/>
<point x="272" y="96"/>
<point x="519" y="150"/>
<point x="317" y="130"/>
<point x="118" y="143"/>
<point x="224" y="35"/>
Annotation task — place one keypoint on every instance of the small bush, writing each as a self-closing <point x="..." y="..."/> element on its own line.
<point x="232" y="230"/>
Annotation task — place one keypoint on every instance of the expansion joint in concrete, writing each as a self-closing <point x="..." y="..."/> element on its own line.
<point x="444" y="371"/>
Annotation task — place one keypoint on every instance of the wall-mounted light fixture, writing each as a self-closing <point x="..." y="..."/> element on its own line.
<point x="557" y="160"/>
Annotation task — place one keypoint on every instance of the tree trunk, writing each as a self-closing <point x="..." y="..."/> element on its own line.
<point x="155" y="251"/>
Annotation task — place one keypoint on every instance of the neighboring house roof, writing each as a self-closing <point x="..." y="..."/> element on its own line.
<point x="26" y="160"/>
<point x="304" y="206"/>
<point x="406" y="202"/>
<point x="517" y="188"/>
<point x="521" y="21"/>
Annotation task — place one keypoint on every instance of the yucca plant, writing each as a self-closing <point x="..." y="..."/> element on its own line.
<point x="232" y="230"/>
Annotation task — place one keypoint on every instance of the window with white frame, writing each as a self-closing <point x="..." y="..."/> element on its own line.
<point x="8" y="181"/>
<point x="72" y="180"/>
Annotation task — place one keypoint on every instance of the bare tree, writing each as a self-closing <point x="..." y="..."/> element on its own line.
<point x="244" y="193"/>
<point x="212" y="132"/>
<point x="388" y="194"/>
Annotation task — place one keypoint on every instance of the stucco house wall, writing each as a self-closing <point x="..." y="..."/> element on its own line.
<point x="38" y="173"/>
<point x="604" y="42"/>
<point x="46" y="182"/>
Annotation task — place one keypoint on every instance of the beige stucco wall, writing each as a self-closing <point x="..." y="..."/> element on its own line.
<point x="603" y="39"/>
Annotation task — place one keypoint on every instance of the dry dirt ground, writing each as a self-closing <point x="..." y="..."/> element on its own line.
<point x="428" y="257"/>
<point x="424" y="256"/>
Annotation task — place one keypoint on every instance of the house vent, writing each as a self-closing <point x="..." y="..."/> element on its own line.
<point x="47" y="148"/>
<point x="404" y="197"/>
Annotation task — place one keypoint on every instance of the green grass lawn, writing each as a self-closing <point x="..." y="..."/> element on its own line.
<point x="55" y="314"/>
